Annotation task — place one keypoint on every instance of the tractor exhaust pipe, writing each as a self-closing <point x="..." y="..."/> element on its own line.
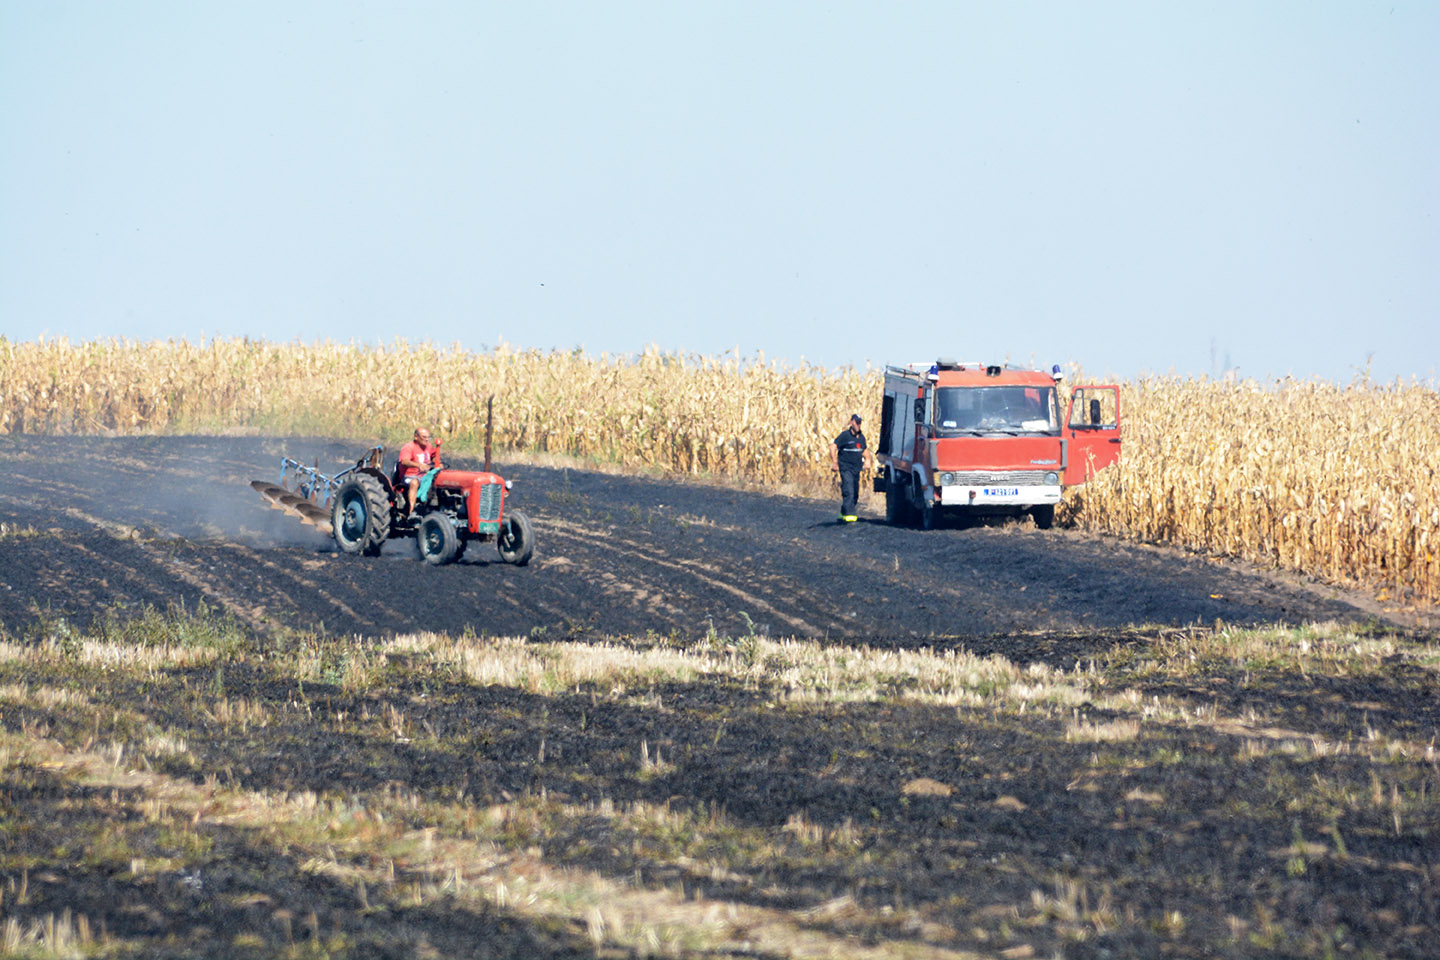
<point x="489" y="422"/>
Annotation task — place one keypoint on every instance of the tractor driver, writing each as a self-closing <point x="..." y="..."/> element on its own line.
<point x="417" y="458"/>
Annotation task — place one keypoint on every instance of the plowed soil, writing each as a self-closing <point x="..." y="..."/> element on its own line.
<point x="157" y="520"/>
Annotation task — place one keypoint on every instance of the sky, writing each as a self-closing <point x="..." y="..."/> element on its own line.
<point x="1135" y="188"/>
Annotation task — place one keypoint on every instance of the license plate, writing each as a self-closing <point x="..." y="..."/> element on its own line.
<point x="1001" y="491"/>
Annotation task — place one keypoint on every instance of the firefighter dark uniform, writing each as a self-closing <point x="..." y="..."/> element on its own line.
<point x="850" y="455"/>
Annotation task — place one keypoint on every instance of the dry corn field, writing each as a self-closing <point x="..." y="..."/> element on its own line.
<point x="1336" y="481"/>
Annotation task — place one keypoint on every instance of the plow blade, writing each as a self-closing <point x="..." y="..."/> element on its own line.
<point x="292" y="503"/>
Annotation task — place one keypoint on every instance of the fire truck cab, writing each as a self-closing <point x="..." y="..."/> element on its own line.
<point x="984" y="439"/>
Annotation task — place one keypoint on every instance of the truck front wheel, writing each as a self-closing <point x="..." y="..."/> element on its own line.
<point x="897" y="501"/>
<point x="926" y="512"/>
<point x="1044" y="516"/>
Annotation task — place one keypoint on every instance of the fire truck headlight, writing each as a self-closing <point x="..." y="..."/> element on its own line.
<point x="1052" y="478"/>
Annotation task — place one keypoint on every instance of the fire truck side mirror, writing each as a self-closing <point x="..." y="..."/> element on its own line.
<point x="1095" y="412"/>
<point x="920" y="411"/>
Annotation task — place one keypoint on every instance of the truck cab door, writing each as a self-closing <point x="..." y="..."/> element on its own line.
<point x="1092" y="431"/>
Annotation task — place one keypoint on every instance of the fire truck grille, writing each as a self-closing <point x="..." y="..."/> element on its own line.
<point x="490" y="507"/>
<point x="980" y="478"/>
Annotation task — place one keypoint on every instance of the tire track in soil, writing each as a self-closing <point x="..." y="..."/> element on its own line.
<point x="641" y="593"/>
<point x="40" y="580"/>
<point x="557" y="614"/>
<point x="219" y="587"/>
<point x="830" y="574"/>
<point x="267" y="569"/>
<point x="759" y="550"/>
<point x="707" y="574"/>
<point x="250" y="613"/>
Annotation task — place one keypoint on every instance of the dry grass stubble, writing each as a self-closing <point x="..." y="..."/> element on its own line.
<point x="652" y="797"/>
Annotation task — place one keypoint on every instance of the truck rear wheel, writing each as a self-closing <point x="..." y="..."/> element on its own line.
<point x="438" y="541"/>
<point x="360" y="516"/>
<point x="516" y="542"/>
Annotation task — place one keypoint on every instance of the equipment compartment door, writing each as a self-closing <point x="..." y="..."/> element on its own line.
<point x="902" y="427"/>
<point x="1092" y="431"/>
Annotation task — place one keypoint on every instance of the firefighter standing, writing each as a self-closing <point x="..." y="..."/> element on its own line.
<point x="848" y="455"/>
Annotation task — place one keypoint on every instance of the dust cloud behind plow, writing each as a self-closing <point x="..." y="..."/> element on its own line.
<point x="171" y="487"/>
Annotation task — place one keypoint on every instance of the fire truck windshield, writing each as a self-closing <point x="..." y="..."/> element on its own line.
<point x="962" y="411"/>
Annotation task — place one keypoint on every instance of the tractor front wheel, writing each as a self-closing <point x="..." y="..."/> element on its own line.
<point x="438" y="540"/>
<point x="360" y="516"/>
<point x="516" y="541"/>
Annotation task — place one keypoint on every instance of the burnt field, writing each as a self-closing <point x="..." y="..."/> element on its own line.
<point x="156" y="520"/>
<point x="701" y="723"/>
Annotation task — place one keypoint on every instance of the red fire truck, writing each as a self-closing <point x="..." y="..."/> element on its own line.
<point x="978" y="439"/>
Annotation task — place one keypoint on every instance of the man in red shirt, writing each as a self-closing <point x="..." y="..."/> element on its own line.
<point x="417" y="458"/>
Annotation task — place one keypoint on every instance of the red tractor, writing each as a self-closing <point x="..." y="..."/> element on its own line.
<point x="362" y="507"/>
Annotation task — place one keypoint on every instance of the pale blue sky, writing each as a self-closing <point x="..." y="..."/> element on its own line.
<point x="1130" y="186"/>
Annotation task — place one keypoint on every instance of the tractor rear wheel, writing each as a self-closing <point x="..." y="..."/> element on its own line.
<point x="438" y="540"/>
<point x="516" y="541"/>
<point x="360" y="516"/>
